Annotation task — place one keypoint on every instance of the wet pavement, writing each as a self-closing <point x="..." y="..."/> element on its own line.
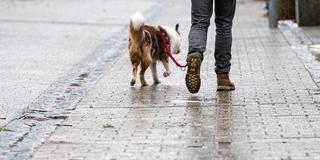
<point x="27" y="119"/>
<point x="40" y="44"/>
<point x="304" y="43"/>
<point x="274" y="113"/>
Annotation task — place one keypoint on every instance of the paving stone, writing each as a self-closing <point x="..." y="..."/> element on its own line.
<point x="273" y="114"/>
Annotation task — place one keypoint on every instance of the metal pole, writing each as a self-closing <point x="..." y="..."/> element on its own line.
<point x="273" y="13"/>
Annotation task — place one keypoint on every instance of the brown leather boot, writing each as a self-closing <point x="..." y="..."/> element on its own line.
<point x="224" y="83"/>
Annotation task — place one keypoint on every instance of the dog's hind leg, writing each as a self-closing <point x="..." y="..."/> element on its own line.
<point x="144" y="67"/>
<point x="166" y="66"/>
<point x="154" y="72"/>
<point x="134" y="73"/>
<point x="146" y="59"/>
<point x="135" y="61"/>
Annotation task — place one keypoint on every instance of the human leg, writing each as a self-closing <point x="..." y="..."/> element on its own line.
<point x="224" y="14"/>
<point x="201" y="13"/>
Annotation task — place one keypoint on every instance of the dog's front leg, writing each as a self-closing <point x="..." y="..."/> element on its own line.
<point x="166" y="66"/>
<point x="154" y="72"/>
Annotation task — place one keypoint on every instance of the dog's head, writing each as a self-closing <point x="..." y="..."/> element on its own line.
<point x="175" y="38"/>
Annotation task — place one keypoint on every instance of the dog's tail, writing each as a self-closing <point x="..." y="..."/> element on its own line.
<point x="136" y="23"/>
<point x="140" y="37"/>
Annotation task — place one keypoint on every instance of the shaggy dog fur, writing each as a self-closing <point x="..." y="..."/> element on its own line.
<point x="146" y="47"/>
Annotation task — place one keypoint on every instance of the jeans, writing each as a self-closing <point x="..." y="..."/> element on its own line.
<point x="201" y="14"/>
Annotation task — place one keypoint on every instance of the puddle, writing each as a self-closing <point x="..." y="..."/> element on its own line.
<point x="194" y="100"/>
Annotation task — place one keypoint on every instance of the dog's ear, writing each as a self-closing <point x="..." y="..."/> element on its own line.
<point x="177" y="28"/>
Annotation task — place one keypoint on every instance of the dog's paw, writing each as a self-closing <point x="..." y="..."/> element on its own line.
<point x="166" y="74"/>
<point x="156" y="82"/>
<point x="133" y="82"/>
<point x="144" y="84"/>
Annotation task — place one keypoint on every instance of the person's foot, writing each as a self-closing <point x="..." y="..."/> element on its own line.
<point x="224" y="83"/>
<point x="192" y="79"/>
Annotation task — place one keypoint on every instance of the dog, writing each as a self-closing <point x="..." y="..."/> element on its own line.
<point x="146" y="47"/>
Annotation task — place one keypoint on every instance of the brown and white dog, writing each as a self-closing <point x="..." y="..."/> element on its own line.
<point x="146" y="47"/>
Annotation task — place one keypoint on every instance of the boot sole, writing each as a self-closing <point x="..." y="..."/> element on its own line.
<point x="192" y="79"/>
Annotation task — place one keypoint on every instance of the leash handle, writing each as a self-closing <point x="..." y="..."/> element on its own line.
<point x="170" y="54"/>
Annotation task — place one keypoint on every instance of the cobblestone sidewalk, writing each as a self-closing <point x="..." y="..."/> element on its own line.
<point x="273" y="114"/>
